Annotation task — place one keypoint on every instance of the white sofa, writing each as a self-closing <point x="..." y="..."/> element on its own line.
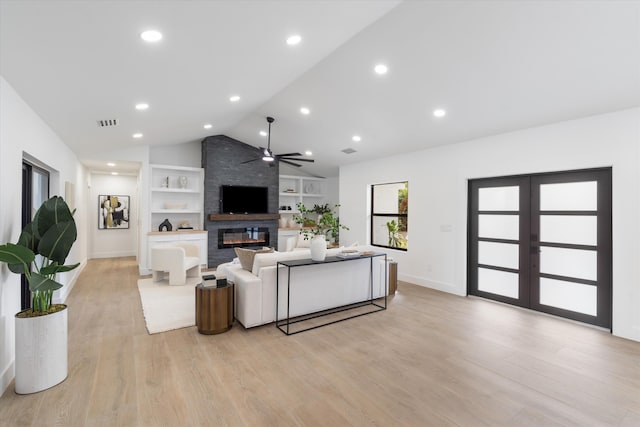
<point x="313" y="288"/>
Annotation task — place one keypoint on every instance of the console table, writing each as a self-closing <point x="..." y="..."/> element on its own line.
<point x="284" y="324"/>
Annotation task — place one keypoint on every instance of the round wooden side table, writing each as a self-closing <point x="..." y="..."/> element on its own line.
<point x="214" y="308"/>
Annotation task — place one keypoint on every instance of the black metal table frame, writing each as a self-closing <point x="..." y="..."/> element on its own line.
<point x="304" y="317"/>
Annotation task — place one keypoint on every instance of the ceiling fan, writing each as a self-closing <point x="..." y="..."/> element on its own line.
<point x="268" y="156"/>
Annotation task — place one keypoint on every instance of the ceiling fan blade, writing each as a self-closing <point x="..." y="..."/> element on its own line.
<point x="297" y="160"/>
<point x="290" y="163"/>
<point x="249" y="161"/>
<point x="288" y="154"/>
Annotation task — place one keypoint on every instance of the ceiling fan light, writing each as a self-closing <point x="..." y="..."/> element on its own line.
<point x="267" y="158"/>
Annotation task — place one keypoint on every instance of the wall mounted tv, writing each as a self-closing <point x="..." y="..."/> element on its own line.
<point x="238" y="199"/>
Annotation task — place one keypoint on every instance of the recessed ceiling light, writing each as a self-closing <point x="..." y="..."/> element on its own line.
<point x="234" y="98"/>
<point x="114" y="173"/>
<point x="263" y="133"/>
<point x="142" y="106"/>
<point x="381" y="69"/>
<point x="439" y="113"/>
<point x="111" y="164"/>
<point x="305" y="110"/>
<point x="137" y="135"/>
<point x="308" y="153"/>
<point x="208" y="126"/>
<point x="151" y="36"/>
<point x="356" y="138"/>
<point x="294" y="40"/>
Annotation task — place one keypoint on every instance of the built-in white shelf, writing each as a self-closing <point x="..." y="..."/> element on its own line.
<point x="307" y="190"/>
<point x="177" y="194"/>
<point x="175" y="190"/>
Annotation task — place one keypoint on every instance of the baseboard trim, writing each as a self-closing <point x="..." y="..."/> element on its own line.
<point x="114" y="254"/>
<point x="432" y="284"/>
<point x="7" y="376"/>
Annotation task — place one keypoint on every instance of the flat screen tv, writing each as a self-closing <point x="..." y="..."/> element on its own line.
<point x="238" y="199"/>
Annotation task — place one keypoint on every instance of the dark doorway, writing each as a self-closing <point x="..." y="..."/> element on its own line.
<point x="35" y="191"/>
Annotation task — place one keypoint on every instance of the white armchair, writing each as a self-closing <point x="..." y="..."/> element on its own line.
<point x="180" y="260"/>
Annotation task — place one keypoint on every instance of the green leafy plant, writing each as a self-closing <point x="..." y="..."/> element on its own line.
<point x="325" y="222"/>
<point x="41" y="251"/>
<point x="396" y="240"/>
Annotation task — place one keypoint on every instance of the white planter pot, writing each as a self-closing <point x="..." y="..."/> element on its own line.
<point x="41" y="352"/>
<point x="318" y="248"/>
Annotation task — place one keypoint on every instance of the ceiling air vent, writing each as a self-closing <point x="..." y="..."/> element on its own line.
<point x="348" y="151"/>
<point x="109" y="123"/>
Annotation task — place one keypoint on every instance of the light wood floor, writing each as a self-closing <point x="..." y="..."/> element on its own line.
<point x="431" y="359"/>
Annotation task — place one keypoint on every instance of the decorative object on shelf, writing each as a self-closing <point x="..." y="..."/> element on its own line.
<point x="113" y="212"/>
<point x="289" y="190"/>
<point x="183" y="181"/>
<point x="166" y="225"/>
<point x="41" y="332"/>
<point x="292" y="223"/>
<point x="282" y="222"/>
<point x="319" y="220"/>
<point x="165" y="182"/>
<point x="348" y="253"/>
<point x="310" y="188"/>
<point x="185" y="225"/>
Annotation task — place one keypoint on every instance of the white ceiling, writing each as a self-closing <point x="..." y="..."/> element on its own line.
<point x="495" y="66"/>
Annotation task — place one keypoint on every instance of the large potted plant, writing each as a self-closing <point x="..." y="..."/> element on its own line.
<point x="41" y="331"/>
<point x="318" y="224"/>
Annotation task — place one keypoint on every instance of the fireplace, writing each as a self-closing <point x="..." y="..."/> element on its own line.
<point x="243" y="237"/>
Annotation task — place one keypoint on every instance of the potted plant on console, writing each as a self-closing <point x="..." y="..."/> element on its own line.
<point x="41" y="331"/>
<point x="318" y="224"/>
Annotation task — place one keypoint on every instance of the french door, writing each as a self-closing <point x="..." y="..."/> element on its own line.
<point x="543" y="242"/>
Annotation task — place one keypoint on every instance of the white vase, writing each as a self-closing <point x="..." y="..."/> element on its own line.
<point x="318" y="248"/>
<point x="41" y="352"/>
<point x="182" y="182"/>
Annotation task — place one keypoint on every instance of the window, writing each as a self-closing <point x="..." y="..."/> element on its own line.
<point x="390" y="215"/>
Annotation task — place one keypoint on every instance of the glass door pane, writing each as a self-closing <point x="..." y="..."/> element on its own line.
<point x="569" y="196"/>
<point x="572" y="229"/>
<point x="574" y="263"/>
<point x="498" y="282"/>
<point x="569" y="296"/>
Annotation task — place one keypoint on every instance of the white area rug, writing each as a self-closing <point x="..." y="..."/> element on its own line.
<point x="167" y="307"/>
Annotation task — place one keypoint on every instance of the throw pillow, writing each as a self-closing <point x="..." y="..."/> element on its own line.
<point x="246" y="256"/>
<point x="302" y="243"/>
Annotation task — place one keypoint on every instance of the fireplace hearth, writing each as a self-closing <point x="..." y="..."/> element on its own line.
<point x="243" y="237"/>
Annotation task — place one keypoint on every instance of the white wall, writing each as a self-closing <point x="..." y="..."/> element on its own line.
<point x="188" y="154"/>
<point x="437" y="255"/>
<point x="119" y="242"/>
<point x="23" y="132"/>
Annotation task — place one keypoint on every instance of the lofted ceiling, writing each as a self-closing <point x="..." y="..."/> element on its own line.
<point x="494" y="66"/>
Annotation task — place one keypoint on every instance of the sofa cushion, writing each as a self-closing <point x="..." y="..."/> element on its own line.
<point x="270" y="259"/>
<point x="302" y="242"/>
<point x="246" y="256"/>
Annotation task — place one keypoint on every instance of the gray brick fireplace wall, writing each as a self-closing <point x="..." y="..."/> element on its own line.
<point x="222" y="159"/>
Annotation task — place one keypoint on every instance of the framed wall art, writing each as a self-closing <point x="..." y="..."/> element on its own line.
<point x="113" y="212"/>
